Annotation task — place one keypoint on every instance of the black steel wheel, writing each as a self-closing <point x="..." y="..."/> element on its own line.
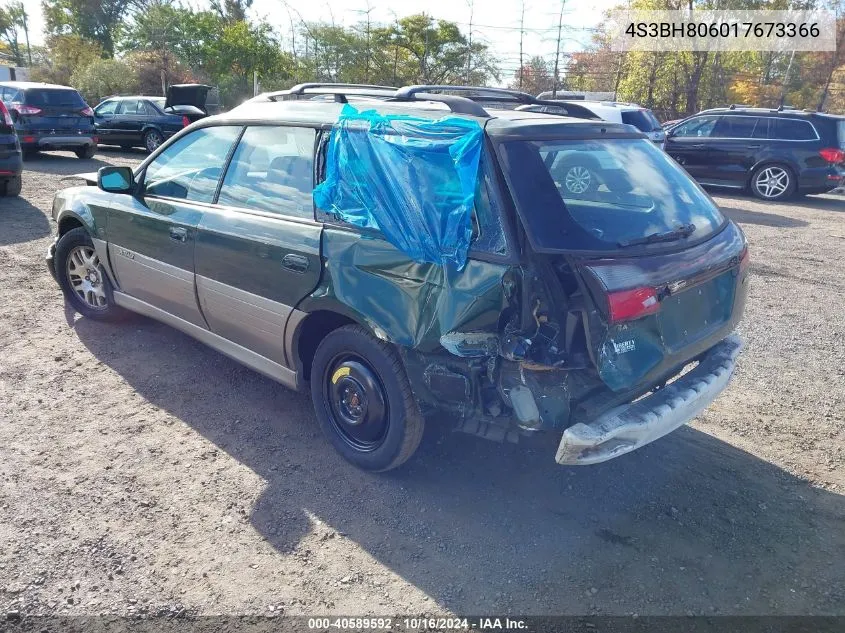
<point x="363" y="400"/>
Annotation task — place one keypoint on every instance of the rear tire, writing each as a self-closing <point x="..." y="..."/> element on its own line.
<point x="83" y="280"/>
<point x="363" y="400"/>
<point x="772" y="182"/>
<point x="152" y="139"/>
<point x="86" y="152"/>
<point x="12" y="187"/>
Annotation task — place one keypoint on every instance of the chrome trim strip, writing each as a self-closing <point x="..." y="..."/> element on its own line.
<point x="247" y="319"/>
<point x="234" y="351"/>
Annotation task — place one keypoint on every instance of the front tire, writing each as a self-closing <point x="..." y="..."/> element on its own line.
<point x="12" y="187"/>
<point x="773" y="182"/>
<point x="83" y="280"/>
<point x="363" y="400"/>
<point x="86" y="152"/>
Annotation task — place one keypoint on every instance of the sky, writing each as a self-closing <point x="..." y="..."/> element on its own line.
<point x="496" y="23"/>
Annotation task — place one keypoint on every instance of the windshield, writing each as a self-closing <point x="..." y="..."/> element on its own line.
<point x="603" y="194"/>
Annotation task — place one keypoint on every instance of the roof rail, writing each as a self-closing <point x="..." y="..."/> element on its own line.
<point x="339" y="90"/>
<point x="734" y="106"/>
<point x="468" y="103"/>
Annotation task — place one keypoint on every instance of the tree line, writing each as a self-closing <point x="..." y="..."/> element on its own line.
<point x="105" y="47"/>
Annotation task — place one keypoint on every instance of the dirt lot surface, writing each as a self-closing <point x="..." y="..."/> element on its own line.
<point x="141" y="472"/>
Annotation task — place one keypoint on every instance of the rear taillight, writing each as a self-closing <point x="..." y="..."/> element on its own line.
<point x="86" y="111"/>
<point x="27" y="110"/>
<point x="632" y="304"/>
<point x="4" y="113"/>
<point x="832" y="155"/>
<point x="185" y="121"/>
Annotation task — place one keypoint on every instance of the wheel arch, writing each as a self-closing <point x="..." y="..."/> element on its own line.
<point x="763" y="162"/>
<point x="308" y="329"/>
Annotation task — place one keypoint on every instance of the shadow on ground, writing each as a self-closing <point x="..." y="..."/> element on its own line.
<point x="746" y="216"/>
<point x="688" y="524"/>
<point x="61" y="163"/>
<point x="21" y="221"/>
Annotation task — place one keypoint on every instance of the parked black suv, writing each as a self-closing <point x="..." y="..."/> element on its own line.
<point x="50" y="117"/>
<point x="774" y="153"/>
<point x="10" y="155"/>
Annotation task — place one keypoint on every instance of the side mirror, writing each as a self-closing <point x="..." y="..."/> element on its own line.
<point x="115" y="179"/>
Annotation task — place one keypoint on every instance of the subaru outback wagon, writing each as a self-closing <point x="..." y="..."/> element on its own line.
<point x="296" y="236"/>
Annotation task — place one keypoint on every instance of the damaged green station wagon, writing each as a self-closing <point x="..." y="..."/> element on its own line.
<point x="410" y="254"/>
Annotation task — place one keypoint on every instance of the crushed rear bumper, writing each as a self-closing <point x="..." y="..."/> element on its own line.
<point x="628" y="427"/>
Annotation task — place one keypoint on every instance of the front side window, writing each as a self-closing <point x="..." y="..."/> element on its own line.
<point x="108" y="107"/>
<point x="697" y="127"/>
<point x="272" y="170"/>
<point x="604" y="194"/>
<point x="735" y="127"/>
<point x="190" y="168"/>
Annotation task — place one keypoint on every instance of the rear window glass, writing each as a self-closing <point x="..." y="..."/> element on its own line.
<point x="603" y="194"/>
<point x="793" y="130"/>
<point x="53" y="97"/>
<point x="643" y="120"/>
<point x="840" y="131"/>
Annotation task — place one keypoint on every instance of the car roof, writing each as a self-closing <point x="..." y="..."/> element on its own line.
<point x="788" y="112"/>
<point x="119" y="97"/>
<point x="617" y="105"/>
<point x="27" y="85"/>
<point x="323" y="113"/>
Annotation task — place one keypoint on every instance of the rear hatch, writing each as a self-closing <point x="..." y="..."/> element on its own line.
<point x="54" y="111"/>
<point x="187" y="95"/>
<point x="644" y="120"/>
<point x="662" y="271"/>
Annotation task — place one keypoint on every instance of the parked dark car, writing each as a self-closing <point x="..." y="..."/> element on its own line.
<point x="774" y="153"/>
<point x="50" y="117"/>
<point x="407" y="263"/>
<point x="142" y="121"/>
<point x="10" y="155"/>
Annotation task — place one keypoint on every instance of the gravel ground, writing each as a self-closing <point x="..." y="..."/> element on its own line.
<point x="143" y="473"/>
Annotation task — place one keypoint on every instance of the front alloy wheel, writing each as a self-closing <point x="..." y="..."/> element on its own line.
<point x="86" y="277"/>
<point x="82" y="278"/>
<point x="772" y="182"/>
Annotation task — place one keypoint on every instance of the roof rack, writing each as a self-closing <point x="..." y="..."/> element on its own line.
<point x="468" y="103"/>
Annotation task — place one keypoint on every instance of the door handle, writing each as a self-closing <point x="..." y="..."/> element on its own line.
<point x="295" y="263"/>
<point x="753" y="146"/>
<point x="699" y="146"/>
<point x="178" y="234"/>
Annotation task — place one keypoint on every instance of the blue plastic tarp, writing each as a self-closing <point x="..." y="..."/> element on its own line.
<point x="412" y="178"/>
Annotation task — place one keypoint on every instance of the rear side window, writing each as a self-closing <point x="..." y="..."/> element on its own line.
<point x="643" y="120"/>
<point x="190" y="168"/>
<point x="53" y="98"/>
<point x="793" y="130"/>
<point x="131" y="106"/>
<point x="735" y="127"/>
<point x="272" y="170"/>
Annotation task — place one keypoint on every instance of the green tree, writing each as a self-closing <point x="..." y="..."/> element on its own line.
<point x="62" y="55"/>
<point x="13" y="23"/>
<point x="96" y="20"/>
<point x="103" y="78"/>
